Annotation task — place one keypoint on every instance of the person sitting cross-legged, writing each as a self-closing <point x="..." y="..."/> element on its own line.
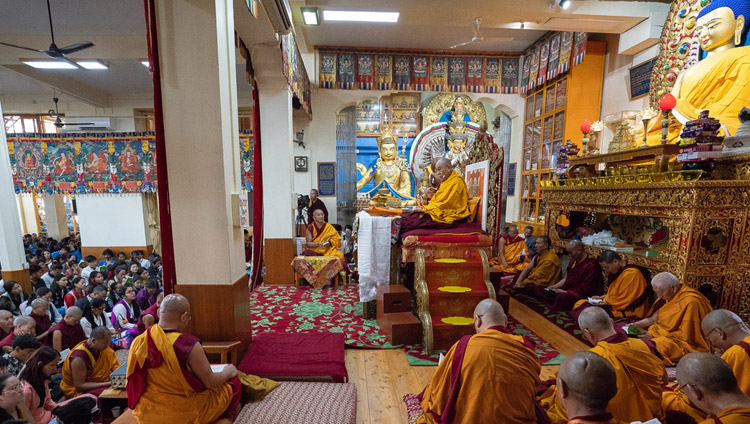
<point x="489" y="377"/>
<point x="169" y="378"/>
<point x="87" y="368"/>
<point x="514" y="253"/>
<point x="543" y="270"/>
<point x="67" y="333"/>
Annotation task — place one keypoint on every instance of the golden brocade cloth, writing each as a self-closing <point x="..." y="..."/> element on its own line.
<point x="318" y="270"/>
<point x="677" y="330"/>
<point x="512" y="251"/>
<point x="451" y="201"/>
<point x="101" y="367"/>
<point x="639" y="381"/>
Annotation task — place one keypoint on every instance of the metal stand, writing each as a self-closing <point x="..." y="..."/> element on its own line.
<point x="301" y="222"/>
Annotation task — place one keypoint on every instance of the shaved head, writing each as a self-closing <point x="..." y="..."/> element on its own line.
<point x="664" y="280"/>
<point x="575" y="245"/>
<point x="724" y="329"/>
<point x="588" y="379"/>
<point x="74" y="311"/>
<point x="708" y="372"/>
<point x="23" y="320"/>
<point x="488" y="313"/>
<point x="100" y="333"/>
<point x="174" y="305"/>
<point x="722" y="319"/>
<point x="4" y="313"/>
<point x="443" y="162"/>
<point x="595" y="319"/>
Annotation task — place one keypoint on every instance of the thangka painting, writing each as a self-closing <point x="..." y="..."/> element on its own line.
<point x="94" y="163"/>
<point x="61" y="161"/>
<point x="128" y="161"/>
<point x="28" y="161"/>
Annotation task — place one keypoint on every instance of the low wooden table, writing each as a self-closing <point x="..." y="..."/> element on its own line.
<point x="108" y="400"/>
<point x="222" y="349"/>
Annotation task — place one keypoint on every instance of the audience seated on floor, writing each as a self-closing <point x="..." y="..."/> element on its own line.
<point x="12" y="402"/>
<point x="676" y="327"/>
<point x="150" y="316"/>
<point x="67" y="333"/>
<point x="449" y="205"/>
<point x="147" y="296"/>
<point x="709" y="383"/>
<point x="6" y="323"/>
<point x="24" y="346"/>
<point x="169" y="378"/>
<point x="93" y="316"/>
<point x="639" y="371"/>
<point x="514" y="253"/>
<point x="21" y="325"/>
<point x="40" y="315"/>
<point x="87" y="368"/>
<point x="586" y="384"/>
<point x="544" y="269"/>
<point x="628" y="294"/>
<point x="530" y="240"/>
<point x="489" y="377"/>
<point x="583" y="278"/>
<point x="125" y="314"/>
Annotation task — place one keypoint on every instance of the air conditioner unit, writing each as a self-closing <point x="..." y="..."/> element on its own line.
<point x="279" y="14"/>
<point x="87" y="123"/>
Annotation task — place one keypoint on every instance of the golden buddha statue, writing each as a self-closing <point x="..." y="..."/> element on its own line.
<point x="457" y="146"/>
<point x="719" y="83"/>
<point x="389" y="168"/>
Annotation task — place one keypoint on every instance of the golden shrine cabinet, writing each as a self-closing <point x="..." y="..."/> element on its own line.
<point x="554" y="112"/>
<point x="697" y="230"/>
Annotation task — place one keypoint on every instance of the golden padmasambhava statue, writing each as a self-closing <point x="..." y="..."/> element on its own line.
<point x="389" y="168"/>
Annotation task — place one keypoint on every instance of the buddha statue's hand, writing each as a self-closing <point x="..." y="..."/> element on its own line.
<point x="362" y="170"/>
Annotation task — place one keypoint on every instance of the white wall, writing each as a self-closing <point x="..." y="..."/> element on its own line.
<point x="113" y="219"/>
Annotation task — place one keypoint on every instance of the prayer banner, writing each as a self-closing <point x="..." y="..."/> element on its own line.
<point x="543" y="58"/>
<point x="346" y="71"/>
<point x="327" y="70"/>
<point x="526" y="71"/>
<point x="510" y="76"/>
<point x="554" y="56"/>
<point x="457" y="73"/>
<point x="474" y="74"/>
<point x="439" y="73"/>
<point x="420" y="73"/>
<point x="401" y="73"/>
<point x="364" y="71"/>
<point x="383" y="76"/>
<point x="580" y="49"/>
<point x="534" y="71"/>
<point x="492" y="78"/>
<point x="566" y="47"/>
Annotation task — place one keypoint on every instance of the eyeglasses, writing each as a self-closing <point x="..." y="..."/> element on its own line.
<point x="679" y="388"/>
<point x="709" y="333"/>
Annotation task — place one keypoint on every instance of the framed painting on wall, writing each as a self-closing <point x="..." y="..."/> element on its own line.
<point x="477" y="182"/>
<point x="326" y="178"/>
<point x="511" y="185"/>
<point x="300" y="163"/>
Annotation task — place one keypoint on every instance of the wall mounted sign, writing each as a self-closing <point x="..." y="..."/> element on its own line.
<point x="639" y="79"/>
<point x="300" y="163"/>
<point x="326" y="178"/>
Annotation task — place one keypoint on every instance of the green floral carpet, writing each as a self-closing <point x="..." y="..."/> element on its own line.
<point x="288" y="309"/>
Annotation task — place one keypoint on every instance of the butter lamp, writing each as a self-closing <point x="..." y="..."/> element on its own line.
<point x="585" y="128"/>
<point x="666" y="104"/>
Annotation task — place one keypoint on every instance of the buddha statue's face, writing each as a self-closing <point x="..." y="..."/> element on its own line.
<point x="717" y="29"/>
<point x="458" y="145"/>
<point x="388" y="150"/>
<point x="458" y="105"/>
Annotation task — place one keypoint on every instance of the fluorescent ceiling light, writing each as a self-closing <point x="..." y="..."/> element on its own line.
<point x="145" y="63"/>
<point x="360" y="16"/>
<point x="565" y="4"/>
<point x="93" y="64"/>
<point x="310" y="15"/>
<point x="59" y="64"/>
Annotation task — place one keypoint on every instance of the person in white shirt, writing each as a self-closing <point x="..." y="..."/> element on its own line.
<point x="125" y="313"/>
<point x="90" y="267"/>
<point x="49" y="277"/>
<point x="95" y="316"/>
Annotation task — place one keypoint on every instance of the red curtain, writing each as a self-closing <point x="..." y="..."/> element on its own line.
<point x="256" y="276"/>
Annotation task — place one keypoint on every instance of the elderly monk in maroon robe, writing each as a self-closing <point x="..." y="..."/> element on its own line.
<point x="21" y="325"/>
<point x="583" y="278"/>
<point x="6" y="323"/>
<point x="40" y="314"/>
<point x="67" y="333"/>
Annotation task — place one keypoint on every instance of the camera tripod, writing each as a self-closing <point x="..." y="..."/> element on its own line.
<point x="301" y="222"/>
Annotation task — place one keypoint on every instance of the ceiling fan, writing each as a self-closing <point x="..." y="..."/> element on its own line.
<point x="55" y="114"/>
<point x="57" y="52"/>
<point x="478" y="37"/>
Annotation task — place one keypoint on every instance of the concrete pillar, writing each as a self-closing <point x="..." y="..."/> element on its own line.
<point x="199" y="96"/>
<point x="54" y="210"/>
<point x="279" y="200"/>
<point x="113" y="221"/>
<point x="12" y="254"/>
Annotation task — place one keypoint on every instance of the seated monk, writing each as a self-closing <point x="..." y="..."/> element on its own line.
<point x="676" y="327"/>
<point x="637" y="364"/>
<point x="587" y="382"/>
<point x="67" y="333"/>
<point x="21" y="325"/>
<point x="448" y="206"/>
<point x="150" y="316"/>
<point x="322" y="238"/>
<point x="730" y="338"/>
<point x="628" y="293"/>
<point x="40" y="315"/>
<point x="544" y="269"/>
<point x="169" y="377"/>
<point x="709" y="383"/>
<point x="514" y="256"/>
<point x="87" y="368"/>
<point x="489" y="377"/>
<point x="6" y="323"/>
<point x="583" y="278"/>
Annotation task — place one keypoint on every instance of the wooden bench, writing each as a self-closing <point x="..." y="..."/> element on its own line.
<point x="223" y="349"/>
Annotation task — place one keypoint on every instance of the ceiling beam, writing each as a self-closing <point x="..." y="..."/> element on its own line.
<point x="67" y="85"/>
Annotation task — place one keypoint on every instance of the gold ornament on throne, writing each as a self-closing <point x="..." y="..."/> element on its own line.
<point x="443" y="102"/>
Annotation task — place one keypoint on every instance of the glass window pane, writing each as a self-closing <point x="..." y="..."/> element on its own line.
<point x="549" y="101"/>
<point x="545" y="156"/>
<point x="528" y="135"/>
<point x="533" y="185"/>
<point x="538" y="99"/>
<point x="562" y="93"/>
<point x="559" y="126"/>
<point x="548" y="126"/>
<point x="529" y="107"/>
<point x="527" y="159"/>
<point x="29" y="125"/>
<point x="529" y="210"/>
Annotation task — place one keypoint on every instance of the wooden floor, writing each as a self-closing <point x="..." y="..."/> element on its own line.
<point x="383" y="376"/>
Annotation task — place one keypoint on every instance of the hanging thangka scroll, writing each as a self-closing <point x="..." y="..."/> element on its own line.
<point x="294" y="70"/>
<point x="364" y="71"/>
<point x="492" y="76"/>
<point x="510" y="76"/>
<point x="420" y="73"/>
<point x="580" y="48"/>
<point x="543" y="58"/>
<point x="526" y="72"/>
<point x="346" y="71"/>
<point x="474" y="75"/>
<point x="401" y="72"/>
<point x="554" y="56"/>
<point x="383" y="76"/>
<point x="457" y="73"/>
<point x="534" y="71"/>
<point x="566" y="47"/>
<point x="327" y="70"/>
<point x="439" y="73"/>
<point x="95" y="162"/>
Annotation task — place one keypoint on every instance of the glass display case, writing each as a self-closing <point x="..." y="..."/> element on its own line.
<point x="401" y="113"/>
<point x="368" y="118"/>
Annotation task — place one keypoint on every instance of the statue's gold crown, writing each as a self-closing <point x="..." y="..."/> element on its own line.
<point x="387" y="136"/>
<point x="457" y="129"/>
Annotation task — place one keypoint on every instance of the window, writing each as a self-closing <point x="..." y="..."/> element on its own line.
<point x="30" y="124"/>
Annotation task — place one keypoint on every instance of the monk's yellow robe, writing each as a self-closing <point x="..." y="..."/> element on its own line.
<point x="731" y="415"/>
<point x="513" y="249"/>
<point x="626" y="294"/>
<point x="640" y="375"/>
<point x="327" y="233"/>
<point x="677" y="330"/>
<point x="98" y="367"/>
<point x="490" y="377"/>
<point x="546" y="271"/>
<point x="451" y="201"/>
<point x="720" y="84"/>
<point x="158" y="386"/>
